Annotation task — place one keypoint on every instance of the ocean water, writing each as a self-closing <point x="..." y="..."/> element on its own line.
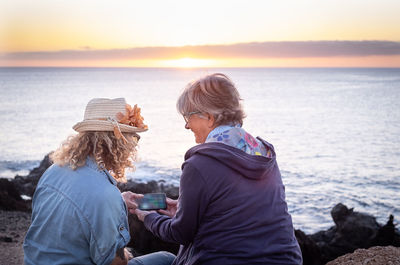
<point x="336" y="131"/>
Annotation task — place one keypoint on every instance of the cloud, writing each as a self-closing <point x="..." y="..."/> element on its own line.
<point x="283" y="49"/>
<point x="85" y="47"/>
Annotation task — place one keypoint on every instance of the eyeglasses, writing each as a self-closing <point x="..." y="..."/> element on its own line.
<point x="187" y="115"/>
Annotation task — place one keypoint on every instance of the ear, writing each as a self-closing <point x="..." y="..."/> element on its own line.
<point x="210" y="120"/>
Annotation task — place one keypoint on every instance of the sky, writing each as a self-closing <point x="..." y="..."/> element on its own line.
<point x="218" y="33"/>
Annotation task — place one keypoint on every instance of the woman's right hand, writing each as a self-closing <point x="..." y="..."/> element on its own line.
<point x="172" y="207"/>
<point x="130" y="199"/>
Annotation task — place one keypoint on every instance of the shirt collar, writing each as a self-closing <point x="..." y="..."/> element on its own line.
<point x="91" y="163"/>
<point x="220" y="129"/>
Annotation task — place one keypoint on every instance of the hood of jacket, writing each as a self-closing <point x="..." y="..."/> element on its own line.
<point x="249" y="166"/>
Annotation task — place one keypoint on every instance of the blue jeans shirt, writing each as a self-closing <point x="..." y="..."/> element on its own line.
<point x="78" y="217"/>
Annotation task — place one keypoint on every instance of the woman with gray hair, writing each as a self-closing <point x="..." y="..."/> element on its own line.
<point x="231" y="207"/>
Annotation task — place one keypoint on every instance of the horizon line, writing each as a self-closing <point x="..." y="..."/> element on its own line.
<point x="248" y="50"/>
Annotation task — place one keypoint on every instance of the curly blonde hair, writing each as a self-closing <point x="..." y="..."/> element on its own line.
<point x="109" y="152"/>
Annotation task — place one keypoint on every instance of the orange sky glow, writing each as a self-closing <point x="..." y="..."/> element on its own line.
<point x="175" y="33"/>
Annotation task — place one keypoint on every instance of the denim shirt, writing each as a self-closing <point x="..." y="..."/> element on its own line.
<point x="78" y="217"/>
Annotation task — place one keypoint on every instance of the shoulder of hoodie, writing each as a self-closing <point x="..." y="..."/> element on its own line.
<point x="194" y="151"/>
<point x="207" y="152"/>
<point x="195" y="159"/>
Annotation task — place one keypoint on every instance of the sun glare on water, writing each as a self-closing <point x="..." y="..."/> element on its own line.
<point x="187" y="63"/>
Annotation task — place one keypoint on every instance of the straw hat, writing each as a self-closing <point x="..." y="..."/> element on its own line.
<point x="101" y="115"/>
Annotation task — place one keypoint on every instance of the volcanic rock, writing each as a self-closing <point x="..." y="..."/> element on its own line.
<point x="10" y="198"/>
<point x="372" y="256"/>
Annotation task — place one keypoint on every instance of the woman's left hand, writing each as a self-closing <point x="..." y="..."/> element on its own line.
<point x="172" y="207"/>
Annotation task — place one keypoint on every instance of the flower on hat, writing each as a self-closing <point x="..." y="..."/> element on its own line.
<point x="131" y="117"/>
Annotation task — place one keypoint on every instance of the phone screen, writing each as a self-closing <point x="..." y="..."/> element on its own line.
<point x="153" y="201"/>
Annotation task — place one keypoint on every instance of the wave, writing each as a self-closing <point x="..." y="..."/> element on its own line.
<point x="9" y="169"/>
<point x="145" y="171"/>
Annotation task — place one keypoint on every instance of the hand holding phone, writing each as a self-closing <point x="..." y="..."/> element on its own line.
<point x="172" y="207"/>
<point x="153" y="201"/>
<point x="131" y="199"/>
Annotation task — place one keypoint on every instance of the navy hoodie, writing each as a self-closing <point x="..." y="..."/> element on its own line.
<point x="232" y="210"/>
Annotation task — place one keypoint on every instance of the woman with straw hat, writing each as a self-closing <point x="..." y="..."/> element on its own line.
<point x="78" y="213"/>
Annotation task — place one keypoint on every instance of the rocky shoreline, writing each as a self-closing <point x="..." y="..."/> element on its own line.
<point x="351" y="230"/>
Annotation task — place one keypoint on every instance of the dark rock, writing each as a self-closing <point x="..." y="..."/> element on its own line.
<point x="339" y="214"/>
<point x="357" y="229"/>
<point x="27" y="184"/>
<point x="324" y="236"/>
<point x="6" y="239"/>
<point x="387" y="235"/>
<point x="10" y="198"/>
<point x="372" y="256"/>
<point x="353" y="230"/>
<point x="309" y="249"/>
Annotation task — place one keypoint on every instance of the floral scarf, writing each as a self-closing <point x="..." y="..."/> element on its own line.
<point x="236" y="136"/>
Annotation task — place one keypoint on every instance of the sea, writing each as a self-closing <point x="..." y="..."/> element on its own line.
<point x="336" y="131"/>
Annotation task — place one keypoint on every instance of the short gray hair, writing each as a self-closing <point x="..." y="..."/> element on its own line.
<point x="215" y="94"/>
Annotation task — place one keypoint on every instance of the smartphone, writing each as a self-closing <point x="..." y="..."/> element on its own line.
<point x="153" y="201"/>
